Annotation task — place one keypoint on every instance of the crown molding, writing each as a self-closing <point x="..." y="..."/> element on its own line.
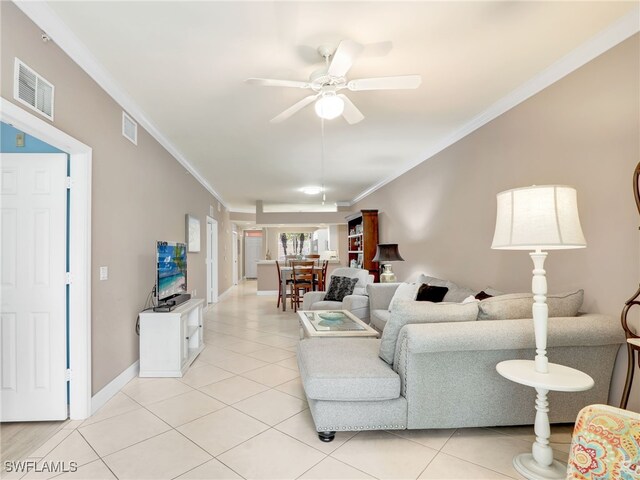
<point x="608" y="38"/>
<point x="48" y="20"/>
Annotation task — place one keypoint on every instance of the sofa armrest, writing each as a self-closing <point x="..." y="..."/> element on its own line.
<point x="380" y="295"/>
<point x="585" y="330"/>
<point x="310" y="298"/>
<point x="358" y="305"/>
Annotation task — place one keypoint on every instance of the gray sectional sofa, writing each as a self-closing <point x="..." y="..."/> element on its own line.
<point x="441" y="374"/>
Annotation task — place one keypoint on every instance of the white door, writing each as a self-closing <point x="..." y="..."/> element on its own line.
<point x="252" y="253"/>
<point x="234" y="258"/>
<point x="33" y="314"/>
<point x="212" y="260"/>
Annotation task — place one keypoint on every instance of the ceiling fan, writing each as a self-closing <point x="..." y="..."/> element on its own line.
<point x="329" y="80"/>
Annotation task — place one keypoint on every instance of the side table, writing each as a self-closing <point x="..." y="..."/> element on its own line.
<point x="539" y="464"/>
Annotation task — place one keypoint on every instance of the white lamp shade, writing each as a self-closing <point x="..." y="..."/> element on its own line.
<point x="329" y="106"/>
<point x="539" y="217"/>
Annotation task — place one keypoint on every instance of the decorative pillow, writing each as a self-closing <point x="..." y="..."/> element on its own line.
<point x="405" y="291"/>
<point x="431" y="293"/>
<point x="482" y="295"/>
<point x="408" y="312"/>
<point x="492" y="291"/>
<point x="340" y="287"/>
<point x="518" y="305"/>
<point x="438" y="282"/>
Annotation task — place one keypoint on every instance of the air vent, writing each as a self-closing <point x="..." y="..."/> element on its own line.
<point x="129" y="128"/>
<point x="32" y="89"/>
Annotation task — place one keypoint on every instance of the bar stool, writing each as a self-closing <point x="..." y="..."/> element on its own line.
<point x="633" y="347"/>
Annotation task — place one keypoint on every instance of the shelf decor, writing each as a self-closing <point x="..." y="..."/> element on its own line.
<point x="192" y="233"/>
<point x="540" y="218"/>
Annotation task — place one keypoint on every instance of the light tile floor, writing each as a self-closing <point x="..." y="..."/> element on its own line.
<point x="241" y="412"/>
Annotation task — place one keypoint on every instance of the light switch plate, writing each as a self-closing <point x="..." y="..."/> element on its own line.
<point x="104" y="273"/>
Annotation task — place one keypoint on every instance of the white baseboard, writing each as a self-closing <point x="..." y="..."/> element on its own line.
<point x="225" y="293"/>
<point x="114" y="386"/>
<point x="267" y="292"/>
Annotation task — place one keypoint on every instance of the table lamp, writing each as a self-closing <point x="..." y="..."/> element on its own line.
<point x="387" y="252"/>
<point x="540" y="218"/>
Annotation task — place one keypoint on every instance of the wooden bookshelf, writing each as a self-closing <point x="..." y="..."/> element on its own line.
<point x="362" y="231"/>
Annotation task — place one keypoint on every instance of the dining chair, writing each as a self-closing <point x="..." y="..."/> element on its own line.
<point x="315" y="257"/>
<point x="290" y="258"/>
<point x="322" y="284"/>
<point x="288" y="292"/>
<point x="302" y="280"/>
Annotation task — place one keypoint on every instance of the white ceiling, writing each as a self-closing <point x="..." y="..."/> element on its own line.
<point x="184" y="65"/>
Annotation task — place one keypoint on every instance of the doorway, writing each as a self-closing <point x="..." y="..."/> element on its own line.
<point x="79" y="277"/>
<point x="234" y="258"/>
<point x="212" y="260"/>
<point x="252" y="253"/>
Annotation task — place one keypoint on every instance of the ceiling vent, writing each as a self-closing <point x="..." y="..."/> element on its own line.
<point x="33" y="90"/>
<point x="129" y="128"/>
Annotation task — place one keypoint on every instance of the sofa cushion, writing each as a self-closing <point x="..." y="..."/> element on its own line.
<point x="326" y="305"/>
<point x="405" y="312"/>
<point x="518" y="305"/>
<point x="345" y="369"/>
<point x="379" y="318"/>
<point x="431" y="293"/>
<point x="405" y="291"/>
<point x="339" y="288"/>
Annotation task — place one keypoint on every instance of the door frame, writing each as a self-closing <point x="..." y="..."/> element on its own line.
<point x="234" y="257"/>
<point x="212" y="260"/>
<point x="80" y="158"/>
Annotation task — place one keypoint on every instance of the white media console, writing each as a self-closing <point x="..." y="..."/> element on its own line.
<point x="171" y="341"/>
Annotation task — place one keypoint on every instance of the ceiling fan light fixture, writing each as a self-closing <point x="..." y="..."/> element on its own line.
<point x="329" y="106"/>
<point x="311" y="190"/>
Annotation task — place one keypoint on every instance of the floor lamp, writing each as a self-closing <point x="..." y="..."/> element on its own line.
<point x="540" y="218"/>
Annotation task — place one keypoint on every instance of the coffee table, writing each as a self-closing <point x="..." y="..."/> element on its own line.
<point x="333" y="323"/>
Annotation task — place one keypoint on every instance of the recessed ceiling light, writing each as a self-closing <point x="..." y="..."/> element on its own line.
<point x="311" y="190"/>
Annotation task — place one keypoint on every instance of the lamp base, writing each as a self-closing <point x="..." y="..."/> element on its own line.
<point x="387" y="275"/>
<point x="526" y="465"/>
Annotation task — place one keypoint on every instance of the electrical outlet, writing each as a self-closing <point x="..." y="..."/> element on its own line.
<point x="104" y="273"/>
<point x="20" y="139"/>
<point x="193" y="292"/>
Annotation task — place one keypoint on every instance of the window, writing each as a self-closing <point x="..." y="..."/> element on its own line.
<point x="294" y="244"/>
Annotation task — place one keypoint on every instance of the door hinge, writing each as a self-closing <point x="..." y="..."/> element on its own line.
<point x="68" y="182"/>
<point x="68" y="278"/>
<point x="67" y="375"/>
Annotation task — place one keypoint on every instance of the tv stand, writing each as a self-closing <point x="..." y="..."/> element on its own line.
<point x="170" y="341"/>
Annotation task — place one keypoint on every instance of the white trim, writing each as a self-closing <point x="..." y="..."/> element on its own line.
<point x="80" y="157"/>
<point x="608" y="38"/>
<point x="242" y="210"/>
<point x="225" y="294"/>
<point x="49" y="21"/>
<point x="114" y="386"/>
<point x="212" y="262"/>
<point x="267" y="292"/>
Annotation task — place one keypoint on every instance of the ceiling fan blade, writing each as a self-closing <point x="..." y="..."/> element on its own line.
<point x="343" y="58"/>
<point x="294" y="109"/>
<point x="385" y="83"/>
<point x="270" y="82"/>
<point x="351" y="113"/>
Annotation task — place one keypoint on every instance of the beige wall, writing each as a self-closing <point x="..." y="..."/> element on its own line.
<point x="140" y="194"/>
<point x="582" y="131"/>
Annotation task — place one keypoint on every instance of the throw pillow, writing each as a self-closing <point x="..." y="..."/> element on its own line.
<point x="518" y="305"/>
<point x="405" y="291"/>
<point x="340" y="287"/>
<point x="482" y="295"/>
<point x="408" y="312"/>
<point x="431" y="293"/>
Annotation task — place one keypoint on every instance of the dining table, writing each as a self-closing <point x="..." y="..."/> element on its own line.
<point x="286" y="273"/>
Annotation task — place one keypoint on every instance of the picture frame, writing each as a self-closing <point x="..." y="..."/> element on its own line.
<point x="192" y="233"/>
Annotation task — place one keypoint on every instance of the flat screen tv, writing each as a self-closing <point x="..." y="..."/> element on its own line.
<point x="171" y="270"/>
